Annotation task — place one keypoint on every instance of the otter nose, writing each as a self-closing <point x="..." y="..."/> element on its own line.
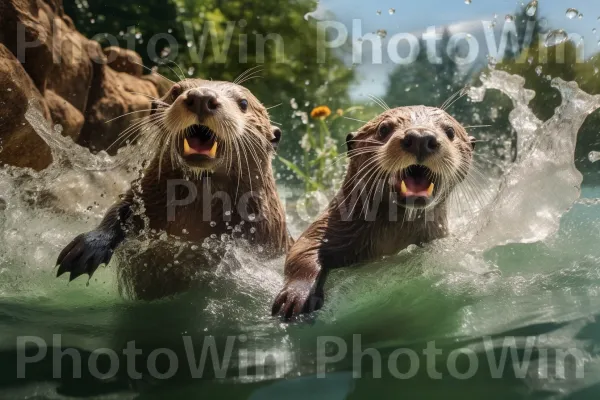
<point x="202" y="102"/>
<point x="421" y="144"/>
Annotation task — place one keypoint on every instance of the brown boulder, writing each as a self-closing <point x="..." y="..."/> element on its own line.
<point x="113" y="95"/>
<point x="26" y="30"/>
<point x="124" y="60"/>
<point x="65" y="114"/>
<point x="163" y="85"/>
<point x="21" y="146"/>
<point x="71" y="73"/>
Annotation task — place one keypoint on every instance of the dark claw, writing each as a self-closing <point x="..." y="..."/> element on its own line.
<point x="296" y="298"/>
<point x="85" y="254"/>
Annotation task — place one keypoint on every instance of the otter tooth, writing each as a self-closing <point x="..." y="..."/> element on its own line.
<point x="186" y="147"/>
<point x="403" y="187"/>
<point x="213" y="150"/>
<point x="430" y="189"/>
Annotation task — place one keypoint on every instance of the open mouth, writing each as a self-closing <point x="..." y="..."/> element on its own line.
<point x="200" y="143"/>
<point x="416" y="182"/>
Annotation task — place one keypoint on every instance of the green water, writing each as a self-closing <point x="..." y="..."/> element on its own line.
<point x="547" y="292"/>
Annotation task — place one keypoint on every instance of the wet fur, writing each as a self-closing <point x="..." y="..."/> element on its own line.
<point x="346" y="234"/>
<point x="144" y="207"/>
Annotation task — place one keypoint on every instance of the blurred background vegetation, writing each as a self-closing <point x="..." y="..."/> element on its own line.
<point x="294" y="83"/>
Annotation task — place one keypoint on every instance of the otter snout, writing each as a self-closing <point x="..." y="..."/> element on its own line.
<point x="202" y="102"/>
<point x="420" y="143"/>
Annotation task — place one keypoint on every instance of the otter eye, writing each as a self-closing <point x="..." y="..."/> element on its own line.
<point x="450" y="132"/>
<point x="385" y="130"/>
<point x="243" y="105"/>
<point x="176" y="91"/>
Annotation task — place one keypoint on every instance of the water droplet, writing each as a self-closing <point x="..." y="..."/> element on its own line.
<point x="594" y="156"/>
<point x="9" y="89"/>
<point x="531" y="8"/>
<point x="538" y="70"/>
<point x="165" y="52"/>
<point x="194" y="247"/>
<point x="556" y="37"/>
<point x="138" y="35"/>
<point x="382" y="33"/>
<point x="392" y="11"/>
<point x="251" y="217"/>
<point x="213" y="224"/>
<point x="594" y="30"/>
<point x="190" y="71"/>
<point x="509" y="18"/>
<point x="252" y="230"/>
<point x="227" y="213"/>
<point x="190" y="43"/>
<point x="378" y="12"/>
<point x="572" y="13"/>
<point x="184" y="231"/>
<point x="580" y="16"/>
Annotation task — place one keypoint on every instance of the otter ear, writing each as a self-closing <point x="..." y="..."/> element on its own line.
<point x="472" y="140"/>
<point x="350" y="141"/>
<point x="276" y="137"/>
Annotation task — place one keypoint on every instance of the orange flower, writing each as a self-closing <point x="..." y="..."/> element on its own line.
<point x="320" y="112"/>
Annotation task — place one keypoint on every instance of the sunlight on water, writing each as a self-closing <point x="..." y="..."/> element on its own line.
<point x="507" y="248"/>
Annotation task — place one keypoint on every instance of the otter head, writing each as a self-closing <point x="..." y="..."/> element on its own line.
<point x="215" y="126"/>
<point x="420" y="152"/>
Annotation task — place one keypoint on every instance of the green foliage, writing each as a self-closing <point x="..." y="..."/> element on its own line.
<point x="285" y="73"/>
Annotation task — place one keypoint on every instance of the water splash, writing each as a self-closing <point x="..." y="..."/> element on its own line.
<point x="544" y="182"/>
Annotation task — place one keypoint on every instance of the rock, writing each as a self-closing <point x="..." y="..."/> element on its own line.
<point x="111" y="97"/>
<point x="26" y="30"/>
<point x="124" y="60"/>
<point x="163" y="85"/>
<point x="21" y="145"/>
<point x="68" y="75"/>
<point x="71" y="74"/>
<point x="65" y="114"/>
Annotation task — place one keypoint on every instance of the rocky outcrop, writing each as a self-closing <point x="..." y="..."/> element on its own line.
<point x="20" y="145"/>
<point x="114" y="95"/>
<point x="77" y="84"/>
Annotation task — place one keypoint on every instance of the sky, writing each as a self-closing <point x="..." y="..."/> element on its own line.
<point x="415" y="16"/>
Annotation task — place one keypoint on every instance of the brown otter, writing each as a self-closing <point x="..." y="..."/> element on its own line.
<point x="211" y="172"/>
<point x="403" y="166"/>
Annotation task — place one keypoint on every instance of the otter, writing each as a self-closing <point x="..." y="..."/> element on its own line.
<point x="402" y="167"/>
<point x="210" y="172"/>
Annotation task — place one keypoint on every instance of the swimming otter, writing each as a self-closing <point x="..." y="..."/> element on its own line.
<point x="403" y="166"/>
<point x="211" y="172"/>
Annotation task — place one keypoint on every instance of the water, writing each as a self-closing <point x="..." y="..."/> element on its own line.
<point x="523" y="264"/>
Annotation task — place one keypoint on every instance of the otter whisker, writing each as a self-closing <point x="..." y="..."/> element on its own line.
<point x="246" y="72"/>
<point x="354" y="119"/>
<point x="145" y="122"/>
<point x="250" y="77"/>
<point x="126" y="114"/>
<point x="180" y="69"/>
<point x="379" y="102"/>
<point x="476" y="126"/>
<point x="154" y="72"/>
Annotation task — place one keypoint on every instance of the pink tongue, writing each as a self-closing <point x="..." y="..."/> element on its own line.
<point x="416" y="186"/>
<point x="199" y="145"/>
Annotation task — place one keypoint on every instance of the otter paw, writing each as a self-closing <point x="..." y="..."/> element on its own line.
<point x="297" y="297"/>
<point x="85" y="254"/>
